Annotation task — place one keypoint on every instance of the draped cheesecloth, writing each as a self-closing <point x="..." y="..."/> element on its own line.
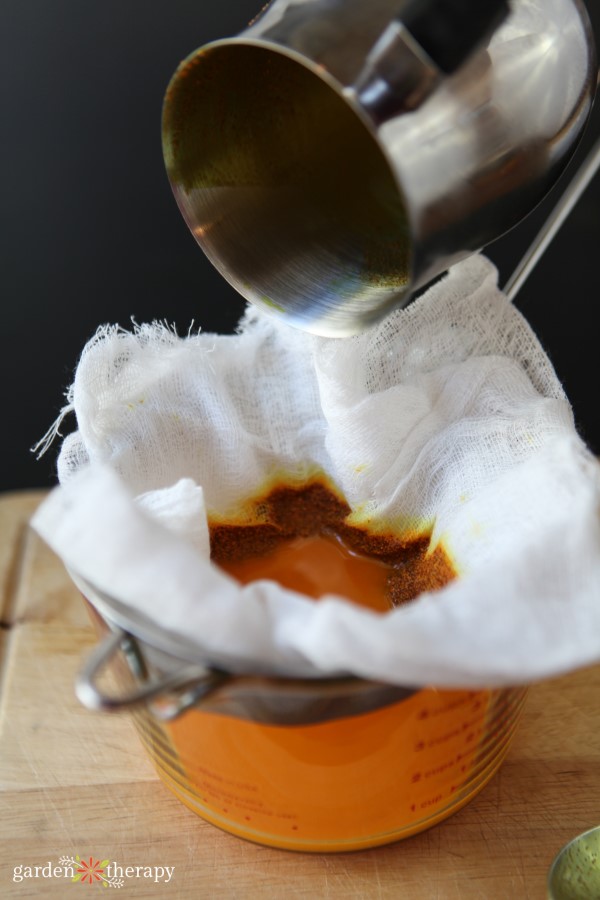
<point x="448" y="414"/>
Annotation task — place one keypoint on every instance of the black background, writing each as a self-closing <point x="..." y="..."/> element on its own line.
<point x="91" y="232"/>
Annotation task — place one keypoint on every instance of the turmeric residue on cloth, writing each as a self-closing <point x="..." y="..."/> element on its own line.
<point x="299" y="537"/>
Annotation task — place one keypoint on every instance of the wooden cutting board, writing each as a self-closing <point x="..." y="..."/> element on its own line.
<point x="75" y="782"/>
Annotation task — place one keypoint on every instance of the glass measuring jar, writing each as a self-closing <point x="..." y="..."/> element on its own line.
<point x="318" y="765"/>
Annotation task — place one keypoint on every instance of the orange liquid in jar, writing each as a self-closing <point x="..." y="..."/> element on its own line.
<point x="346" y="784"/>
<point x="343" y="784"/>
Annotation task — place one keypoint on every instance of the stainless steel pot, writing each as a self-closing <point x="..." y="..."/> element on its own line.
<point x="333" y="158"/>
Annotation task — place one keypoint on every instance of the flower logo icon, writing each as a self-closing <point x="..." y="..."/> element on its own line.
<point x="90" y="871"/>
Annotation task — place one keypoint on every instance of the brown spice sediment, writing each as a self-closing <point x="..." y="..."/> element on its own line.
<point x="284" y="513"/>
<point x="289" y="512"/>
<point x="419" y="573"/>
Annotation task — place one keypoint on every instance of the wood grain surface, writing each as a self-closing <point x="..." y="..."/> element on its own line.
<point x="75" y="782"/>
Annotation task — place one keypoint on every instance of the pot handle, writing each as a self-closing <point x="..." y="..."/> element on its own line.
<point x="167" y="696"/>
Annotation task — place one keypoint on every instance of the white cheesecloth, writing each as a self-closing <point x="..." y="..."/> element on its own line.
<point x="448" y="413"/>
